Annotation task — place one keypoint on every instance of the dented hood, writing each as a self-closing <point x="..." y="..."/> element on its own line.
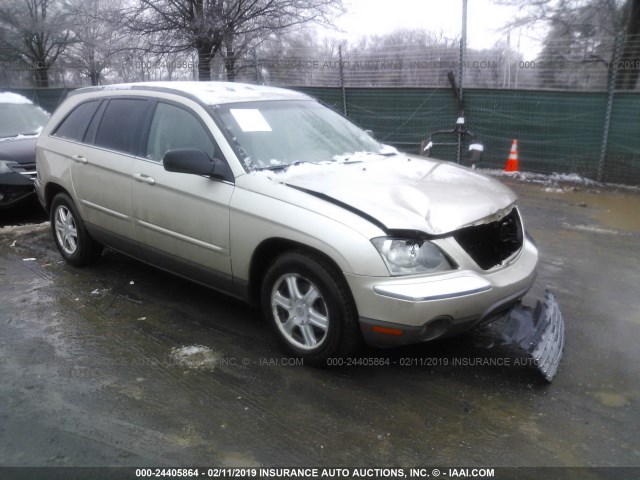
<point x="407" y="192"/>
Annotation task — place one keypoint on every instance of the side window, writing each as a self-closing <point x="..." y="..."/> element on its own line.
<point x="174" y="127"/>
<point x="75" y="124"/>
<point x="121" y="125"/>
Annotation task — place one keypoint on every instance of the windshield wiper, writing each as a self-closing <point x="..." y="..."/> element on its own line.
<point x="358" y="156"/>
<point x="275" y="168"/>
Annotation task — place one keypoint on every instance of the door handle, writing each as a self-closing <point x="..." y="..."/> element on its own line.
<point x="78" y="159"/>
<point x="141" y="177"/>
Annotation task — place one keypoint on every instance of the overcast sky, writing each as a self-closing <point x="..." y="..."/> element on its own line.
<point x="484" y="20"/>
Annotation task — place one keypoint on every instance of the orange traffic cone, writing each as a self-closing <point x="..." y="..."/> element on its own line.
<point x="512" y="161"/>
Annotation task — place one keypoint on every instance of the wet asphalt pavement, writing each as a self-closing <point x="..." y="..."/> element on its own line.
<point x="119" y="364"/>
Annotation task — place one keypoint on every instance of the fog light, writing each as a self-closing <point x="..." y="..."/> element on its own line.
<point x="437" y="328"/>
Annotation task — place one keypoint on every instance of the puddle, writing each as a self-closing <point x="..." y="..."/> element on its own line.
<point x="612" y="210"/>
<point x="612" y="399"/>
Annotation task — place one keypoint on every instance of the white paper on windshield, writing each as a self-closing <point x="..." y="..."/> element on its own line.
<point x="250" y="120"/>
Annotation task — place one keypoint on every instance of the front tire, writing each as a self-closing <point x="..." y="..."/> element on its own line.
<point x="69" y="233"/>
<point x="310" y="307"/>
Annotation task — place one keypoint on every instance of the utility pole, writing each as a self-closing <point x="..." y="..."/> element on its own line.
<point x="463" y="46"/>
<point x="506" y="80"/>
<point x="518" y="67"/>
<point x="342" y="86"/>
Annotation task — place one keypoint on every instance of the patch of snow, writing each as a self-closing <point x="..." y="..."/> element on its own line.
<point x="361" y="156"/>
<point x="264" y="173"/>
<point x="195" y="356"/>
<point x="10" y="97"/>
<point x="24" y="229"/>
<point x="541" y="177"/>
<point x="21" y="136"/>
<point x="117" y="86"/>
<point x="303" y="168"/>
<point x="388" y="149"/>
<point x="215" y="93"/>
<point x="555" y="178"/>
<point x="590" y="228"/>
<point x="298" y="168"/>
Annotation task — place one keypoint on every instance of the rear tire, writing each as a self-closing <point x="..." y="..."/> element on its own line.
<point x="310" y="308"/>
<point x="69" y="233"/>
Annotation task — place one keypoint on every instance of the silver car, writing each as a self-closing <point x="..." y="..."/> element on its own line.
<point x="269" y="196"/>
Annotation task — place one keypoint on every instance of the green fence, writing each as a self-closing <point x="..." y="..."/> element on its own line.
<point x="556" y="131"/>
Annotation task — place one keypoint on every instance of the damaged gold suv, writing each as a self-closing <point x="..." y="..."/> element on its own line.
<point x="269" y="196"/>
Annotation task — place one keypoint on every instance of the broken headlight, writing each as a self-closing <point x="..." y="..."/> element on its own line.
<point x="411" y="256"/>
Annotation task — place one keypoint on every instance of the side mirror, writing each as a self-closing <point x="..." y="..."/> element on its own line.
<point x="195" y="162"/>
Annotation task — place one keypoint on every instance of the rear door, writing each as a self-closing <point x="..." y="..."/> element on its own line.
<point x="101" y="168"/>
<point x="182" y="220"/>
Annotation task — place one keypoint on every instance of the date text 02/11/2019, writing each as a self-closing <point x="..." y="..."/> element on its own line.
<point x="314" y="472"/>
<point x="432" y="362"/>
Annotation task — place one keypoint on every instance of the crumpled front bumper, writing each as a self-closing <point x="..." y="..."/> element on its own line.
<point x="539" y="332"/>
<point x="400" y="311"/>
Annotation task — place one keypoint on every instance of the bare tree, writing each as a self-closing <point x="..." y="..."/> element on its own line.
<point x="100" y="37"/>
<point x="225" y="28"/>
<point x="592" y="17"/>
<point x="580" y="34"/>
<point x="297" y="59"/>
<point x="627" y="78"/>
<point x="410" y="57"/>
<point x="37" y="32"/>
<point x="135" y="63"/>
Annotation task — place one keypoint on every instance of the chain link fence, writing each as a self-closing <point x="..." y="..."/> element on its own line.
<point x="566" y="106"/>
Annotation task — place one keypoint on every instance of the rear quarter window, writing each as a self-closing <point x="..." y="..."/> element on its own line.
<point x="74" y="126"/>
<point x="121" y="125"/>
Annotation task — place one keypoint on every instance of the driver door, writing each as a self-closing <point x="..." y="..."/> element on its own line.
<point x="182" y="220"/>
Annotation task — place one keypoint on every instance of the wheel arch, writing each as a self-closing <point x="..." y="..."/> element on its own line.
<point x="266" y="253"/>
<point x="50" y="191"/>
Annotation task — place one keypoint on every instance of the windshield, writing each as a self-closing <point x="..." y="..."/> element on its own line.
<point x="21" y="119"/>
<point x="276" y="134"/>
